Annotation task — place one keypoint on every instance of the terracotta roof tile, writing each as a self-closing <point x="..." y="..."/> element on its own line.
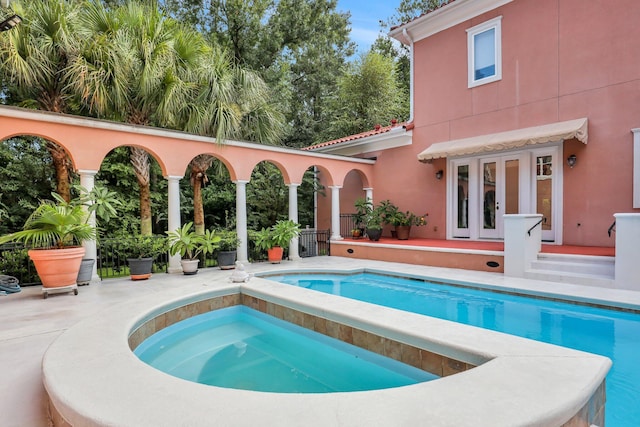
<point x="377" y="130"/>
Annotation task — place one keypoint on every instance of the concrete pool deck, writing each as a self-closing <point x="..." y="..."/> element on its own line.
<point x="31" y="324"/>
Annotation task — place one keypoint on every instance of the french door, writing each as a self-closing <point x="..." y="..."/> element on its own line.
<point x="499" y="192"/>
<point x="483" y="189"/>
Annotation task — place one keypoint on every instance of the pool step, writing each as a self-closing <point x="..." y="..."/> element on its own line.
<point x="577" y="269"/>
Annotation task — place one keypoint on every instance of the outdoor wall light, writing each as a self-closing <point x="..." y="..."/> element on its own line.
<point x="571" y="160"/>
<point x="10" y="22"/>
<point x="439" y="174"/>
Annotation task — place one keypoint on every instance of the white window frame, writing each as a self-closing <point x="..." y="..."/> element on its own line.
<point x="495" y="24"/>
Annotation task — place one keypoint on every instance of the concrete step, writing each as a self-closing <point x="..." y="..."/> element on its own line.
<point x="577" y="269"/>
<point x="594" y="265"/>
<point x="603" y="281"/>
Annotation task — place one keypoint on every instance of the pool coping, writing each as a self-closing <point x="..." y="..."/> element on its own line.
<point x="89" y="370"/>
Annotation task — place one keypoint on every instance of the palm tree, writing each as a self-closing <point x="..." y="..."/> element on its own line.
<point x="130" y="74"/>
<point x="34" y="58"/>
<point x="144" y="68"/>
<point x="233" y="103"/>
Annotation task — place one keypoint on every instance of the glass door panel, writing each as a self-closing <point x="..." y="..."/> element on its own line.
<point x="500" y="183"/>
<point x="512" y="186"/>
<point x="544" y="194"/>
<point x="489" y="203"/>
<point x="461" y="200"/>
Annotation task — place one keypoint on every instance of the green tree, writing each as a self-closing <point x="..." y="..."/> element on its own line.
<point x="407" y="10"/>
<point x="142" y="68"/>
<point x="284" y="41"/>
<point x="25" y="179"/>
<point x="368" y="94"/>
<point x="35" y="57"/>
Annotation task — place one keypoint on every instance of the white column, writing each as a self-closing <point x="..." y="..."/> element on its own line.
<point x="87" y="180"/>
<point x="522" y="242"/>
<point x="293" y="216"/>
<point x="173" y="220"/>
<point x="368" y="193"/>
<point x="241" y="220"/>
<point x="335" y="212"/>
<point x="627" y="251"/>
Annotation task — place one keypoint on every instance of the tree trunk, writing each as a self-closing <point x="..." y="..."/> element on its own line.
<point x="61" y="166"/>
<point x="198" y="179"/>
<point x="198" y="208"/>
<point x="140" y="162"/>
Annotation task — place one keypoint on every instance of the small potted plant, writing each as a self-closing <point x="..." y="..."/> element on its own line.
<point x="373" y="223"/>
<point x="227" y="249"/>
<point x="190" y="245"/>
<point x="403" y="222"/>
<point x="276" y="238"/>
<point x="141" y="253"/>
<point x="363" y="206"/>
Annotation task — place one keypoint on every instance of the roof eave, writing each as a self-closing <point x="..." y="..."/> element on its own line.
<point x="443" y="18"/>
<point x="396" y="137"/>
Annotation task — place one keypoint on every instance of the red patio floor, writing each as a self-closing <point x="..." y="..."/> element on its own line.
<point x="494" y="246"/>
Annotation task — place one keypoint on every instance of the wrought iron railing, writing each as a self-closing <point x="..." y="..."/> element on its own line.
<point x="612" y="228"/>
<point x="346" y="224"/>
<point x="112" y="254"/>
<point x="313" y="242"/>
<point x="14" y="261"/>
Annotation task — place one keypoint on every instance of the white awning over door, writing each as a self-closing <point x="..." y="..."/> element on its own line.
<point x="494" y="142"/>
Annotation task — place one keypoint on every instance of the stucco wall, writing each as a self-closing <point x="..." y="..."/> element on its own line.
<point x="561" y="60"/>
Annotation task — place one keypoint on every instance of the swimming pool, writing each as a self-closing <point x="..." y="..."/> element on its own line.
<point x="241" y="348"/>
<point x="610" y="333"/>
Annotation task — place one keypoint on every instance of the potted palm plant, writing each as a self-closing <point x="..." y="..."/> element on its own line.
<point x="55" y="232"/>
<point x="190" y="245"/>
<point x="276" y="238"/>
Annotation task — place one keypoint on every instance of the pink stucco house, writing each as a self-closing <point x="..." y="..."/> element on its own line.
<point x="525" y="106"/>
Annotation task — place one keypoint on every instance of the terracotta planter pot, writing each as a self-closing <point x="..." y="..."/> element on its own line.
<point x="275" y="254"/>
<point x="57" y="267"/>
<point x="403" y="231"/>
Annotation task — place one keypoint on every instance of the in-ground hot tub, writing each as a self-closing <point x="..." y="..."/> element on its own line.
<point x="238" y="347"/>
<point x="92" y="376"/>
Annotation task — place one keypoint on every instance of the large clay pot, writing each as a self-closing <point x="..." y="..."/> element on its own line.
<point x="402" y="231"/>
<point x="275" y="254"/>
<point x="57" y="267"/>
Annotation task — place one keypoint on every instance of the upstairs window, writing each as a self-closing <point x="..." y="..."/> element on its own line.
<point x="485" y="52"/>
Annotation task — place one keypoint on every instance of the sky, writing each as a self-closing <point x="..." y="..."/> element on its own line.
<point x="365" y="15"/>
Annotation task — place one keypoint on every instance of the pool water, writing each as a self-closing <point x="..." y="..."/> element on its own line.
<point x="238" y="347"/>
<point x="610" y="333"/>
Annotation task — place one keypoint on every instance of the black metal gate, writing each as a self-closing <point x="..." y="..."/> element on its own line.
<point x="312" y="242"/>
